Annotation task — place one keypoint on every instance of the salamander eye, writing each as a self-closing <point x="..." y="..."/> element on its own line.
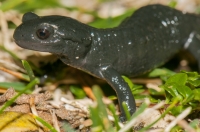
<point x="43" y="33"/>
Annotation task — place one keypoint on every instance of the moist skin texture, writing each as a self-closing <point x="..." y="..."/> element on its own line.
<point x="143" y="41"/>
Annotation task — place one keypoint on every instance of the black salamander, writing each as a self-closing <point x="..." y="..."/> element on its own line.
<point x="143" y="41"/>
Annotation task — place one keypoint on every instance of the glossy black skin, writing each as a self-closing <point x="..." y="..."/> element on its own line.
<point x="142" y="42"/>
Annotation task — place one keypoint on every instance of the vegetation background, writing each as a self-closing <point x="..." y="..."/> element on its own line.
<point x="153" y="91"/>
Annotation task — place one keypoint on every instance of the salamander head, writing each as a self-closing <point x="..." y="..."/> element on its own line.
<point x="55" y="34"/>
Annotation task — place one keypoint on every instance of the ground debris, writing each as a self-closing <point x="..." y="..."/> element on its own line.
<point x="44" y="109"/>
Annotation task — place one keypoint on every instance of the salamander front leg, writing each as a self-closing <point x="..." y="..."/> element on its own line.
<point x="122" y="89"/>
<point x="194" y="46"/>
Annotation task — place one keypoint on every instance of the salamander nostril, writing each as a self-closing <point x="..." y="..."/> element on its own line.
<point x="22" y="35"/>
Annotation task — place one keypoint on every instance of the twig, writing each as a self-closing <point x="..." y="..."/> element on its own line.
<point x="146" y="112"/>
<point x="178" y="119"/>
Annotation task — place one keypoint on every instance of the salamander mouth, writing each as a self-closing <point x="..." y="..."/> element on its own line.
<point x="21" y="43"/>
<point x="61" y="53"/>
<point x="32" y="46"/>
